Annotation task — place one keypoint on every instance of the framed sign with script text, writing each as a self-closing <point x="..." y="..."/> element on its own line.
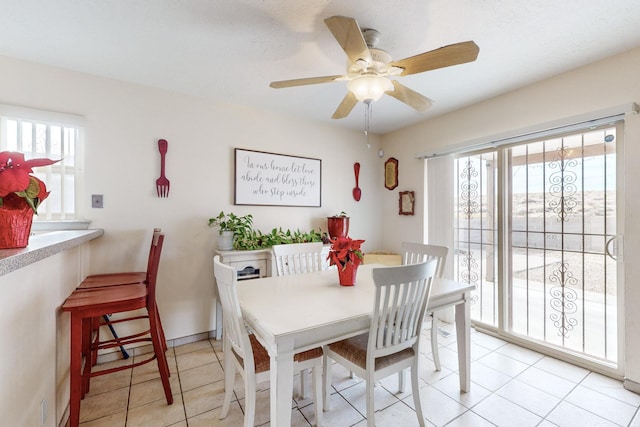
<point x="270" y="179"/>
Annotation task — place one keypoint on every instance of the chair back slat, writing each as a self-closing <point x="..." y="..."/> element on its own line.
<point x="414" y="253"/>
<point x="235" y="332"/>
<point x="152" y="271"/>
<point x="402" y="294"/>
<point x="297" y="258"/>
<point x="152" y="246"/>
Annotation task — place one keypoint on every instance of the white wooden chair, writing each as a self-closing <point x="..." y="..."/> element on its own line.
<point x="296" y="258"/>
<point x="243" y="352"/>
<point x="417" y="252"/>
<point x="393" y="341"/>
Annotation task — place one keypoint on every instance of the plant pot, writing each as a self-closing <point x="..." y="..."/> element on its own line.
<point x="347" y="275"/>
<point x="338" y="226"/>
<point x="15" y="227"/>
<point x="225" y="241"/>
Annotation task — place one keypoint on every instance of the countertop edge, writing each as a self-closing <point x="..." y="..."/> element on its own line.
<point x="42" y="246"/>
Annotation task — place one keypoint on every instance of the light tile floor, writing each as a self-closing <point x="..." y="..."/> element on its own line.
<point x="511" y="386"/>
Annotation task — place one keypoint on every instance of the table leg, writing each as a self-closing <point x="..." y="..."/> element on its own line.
<point x="75" y="370"/>
<point x="281" y="389"/>
<point x="218" y="320"/>
<point x="463" y="331"/>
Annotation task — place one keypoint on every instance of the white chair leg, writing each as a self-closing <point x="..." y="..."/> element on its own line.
<point x="371" y="412"/>
<point x="229" y="380"/>
<point x="402" y="386"/>
<point x="415" y="389"/>
<point x="434" y="341"/>
<point x="249" y="401"/>
<point x="326" y="384"/>
<point x="303" y="374"/>
<point x="317" y="394"/>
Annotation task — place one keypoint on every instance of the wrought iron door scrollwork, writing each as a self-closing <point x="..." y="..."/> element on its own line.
<point x="563" y="299"/>
<point x="469" y="271"/>
<point x="563" y="187"/>
<point x="469" y="190"/>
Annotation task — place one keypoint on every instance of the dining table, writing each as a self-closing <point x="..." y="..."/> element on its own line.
<point x="290" y="314"/>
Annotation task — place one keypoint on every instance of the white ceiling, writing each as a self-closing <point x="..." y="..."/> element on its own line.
<point x="231" y="50"/>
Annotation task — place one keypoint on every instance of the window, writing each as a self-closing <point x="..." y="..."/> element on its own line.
<point x="37" y="133"/>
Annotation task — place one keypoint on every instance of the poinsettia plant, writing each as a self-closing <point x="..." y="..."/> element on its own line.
<point x="345" y="250"/>
<point x="17" y="186"/>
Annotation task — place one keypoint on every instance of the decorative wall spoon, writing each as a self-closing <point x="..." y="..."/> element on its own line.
<point x="357" y="192"/>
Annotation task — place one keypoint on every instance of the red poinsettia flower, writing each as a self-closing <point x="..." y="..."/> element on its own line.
<point x="345" y="250"/>
<point x="15" y="179"/>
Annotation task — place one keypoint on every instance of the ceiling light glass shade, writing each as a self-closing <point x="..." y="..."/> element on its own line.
<point x="369" y="87"/>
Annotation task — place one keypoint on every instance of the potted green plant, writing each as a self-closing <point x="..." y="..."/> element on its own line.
<point x="230" y="225"/>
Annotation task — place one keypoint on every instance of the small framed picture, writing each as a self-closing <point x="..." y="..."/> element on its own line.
<point x="407" y="202"/>
<point x="391" y="173"/>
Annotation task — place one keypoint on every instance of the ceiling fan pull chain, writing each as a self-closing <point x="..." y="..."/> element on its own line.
<point x="367" y="120"/>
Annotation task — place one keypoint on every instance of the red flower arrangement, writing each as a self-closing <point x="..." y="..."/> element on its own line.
<point x="345" y="250"/>
<point x="17" y="186"/>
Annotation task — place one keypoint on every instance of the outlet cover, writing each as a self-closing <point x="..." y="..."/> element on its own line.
<point x="96" y="201"/>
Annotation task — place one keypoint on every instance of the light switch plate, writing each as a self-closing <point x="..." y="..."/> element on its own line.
<point x="96" y="201"/>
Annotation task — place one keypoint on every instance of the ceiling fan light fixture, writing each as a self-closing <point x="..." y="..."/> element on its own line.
<point x="369" y="87"/>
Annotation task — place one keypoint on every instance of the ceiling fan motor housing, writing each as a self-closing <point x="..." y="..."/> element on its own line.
<point x="371" y="37"/>
<point x="380" y="63"/>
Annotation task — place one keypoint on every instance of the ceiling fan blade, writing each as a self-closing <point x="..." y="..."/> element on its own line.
<point x="347" y="32"/>
<point x="305" y="81"/>
<point x="345" y="107"/>
<point x="446" y="56"/>
<point x="410" y="97"/>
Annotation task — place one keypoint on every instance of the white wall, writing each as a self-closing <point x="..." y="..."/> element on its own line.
<point x="595" y="87"/>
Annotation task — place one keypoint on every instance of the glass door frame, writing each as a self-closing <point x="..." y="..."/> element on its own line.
<point x="503" y="224"/>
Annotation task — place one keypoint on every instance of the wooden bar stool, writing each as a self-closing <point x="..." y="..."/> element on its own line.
<point x="85" y="306"/>
<point x="95" y="281"/>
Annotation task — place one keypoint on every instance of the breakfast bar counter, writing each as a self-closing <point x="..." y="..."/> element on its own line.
<point x="42" y="246"/>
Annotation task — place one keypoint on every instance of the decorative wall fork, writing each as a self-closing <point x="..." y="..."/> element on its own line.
<point x="162" y="183"/>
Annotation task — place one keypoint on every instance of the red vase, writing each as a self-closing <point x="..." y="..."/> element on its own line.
<point x="15" y="227"/>
<point x="338" y="226"/>
<point x="347" y="275"/>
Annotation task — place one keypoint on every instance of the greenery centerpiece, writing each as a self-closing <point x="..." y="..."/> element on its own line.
<point x="245" y="237"/>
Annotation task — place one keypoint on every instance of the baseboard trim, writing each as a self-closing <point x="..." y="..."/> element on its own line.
<point x="631" y="385"/>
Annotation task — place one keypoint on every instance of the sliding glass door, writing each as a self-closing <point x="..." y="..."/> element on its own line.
<point x="546" y="272"/>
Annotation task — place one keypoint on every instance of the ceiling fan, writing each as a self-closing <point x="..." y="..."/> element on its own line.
<point x="369" y="69"/>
